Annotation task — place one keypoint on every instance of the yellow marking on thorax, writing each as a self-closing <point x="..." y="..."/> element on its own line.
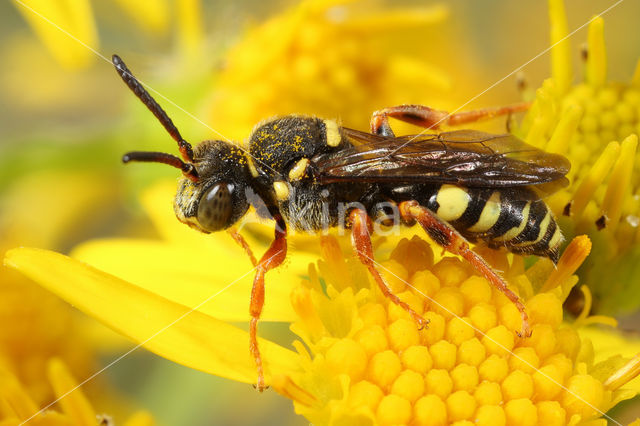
<point x="333" y="133"/>
<point x="452" y="202"/>
<point x="490" y="214"/>
<point x="251" y="166"/>
<point x="298" y="171"/>
<point x="514" y="232"/>
<point x="282" y="190"/>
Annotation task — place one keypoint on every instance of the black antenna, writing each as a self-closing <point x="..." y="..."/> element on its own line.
<point x="188" y="169"/>
<point x="161" y="115"/>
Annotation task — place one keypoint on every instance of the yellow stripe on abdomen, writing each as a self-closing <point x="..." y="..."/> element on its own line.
<point x="515" y="231"/>
<point x="452" y="202"/>
<point x="489" y="216"/>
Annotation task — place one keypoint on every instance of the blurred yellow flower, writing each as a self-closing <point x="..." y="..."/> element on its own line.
<point x="68" y="28"/>
<point x="595" y="124"/>
<point x="38" y="326"/>
<point x="331" y="58"/>
<point x="18" y="407"/>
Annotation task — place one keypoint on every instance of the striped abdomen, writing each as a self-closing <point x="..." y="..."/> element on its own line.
<point x="511" y="218"/>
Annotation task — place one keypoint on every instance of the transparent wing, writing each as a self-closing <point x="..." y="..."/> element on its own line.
<point x="464" y="157"/>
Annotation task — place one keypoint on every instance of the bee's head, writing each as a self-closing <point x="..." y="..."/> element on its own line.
<point x="211" y="196"/>
<point x="216" y="200"/>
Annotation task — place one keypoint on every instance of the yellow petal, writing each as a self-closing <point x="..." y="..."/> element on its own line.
<point x="72" y="400"/>
<point x="608" y="343"/>
<point x="15" y="398"/>
<point x="190" y="30"/>
<point x="151" y="16"/>
<point x="54" y="21"/>
<point x="140" y="418"/>
<point x="596" y="71"/>
<point x="173" y="331"/>
<point x="188" y="278"/>
<point x="560" y="46"/>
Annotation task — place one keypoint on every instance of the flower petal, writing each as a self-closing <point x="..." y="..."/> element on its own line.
<point x="188" y="278"/>
<point x="173" y="331"/>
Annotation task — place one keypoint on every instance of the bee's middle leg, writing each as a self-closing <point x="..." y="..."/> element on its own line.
<point x="447" y="237"/>
<point x="361" y="241"/>
<point x="272" y="258"/>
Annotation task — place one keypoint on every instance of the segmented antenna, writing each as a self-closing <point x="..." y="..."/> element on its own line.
<point x="188" y="169"/>
<point x="161" y="115"/>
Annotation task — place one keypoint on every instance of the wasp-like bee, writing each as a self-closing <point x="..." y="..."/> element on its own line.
<point x="308" y="173"/>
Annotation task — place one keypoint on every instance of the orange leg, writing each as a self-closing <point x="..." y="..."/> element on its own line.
<point x="443" y="234"/>
<point x="243" y="243"/>
<point x="430" y="118"/>
<point x="361" y="240"/>
<point x="273" y="257"/>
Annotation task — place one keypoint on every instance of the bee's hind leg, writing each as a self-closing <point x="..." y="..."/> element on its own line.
<point x="443" y="234"/>
<point x="361" y="241"/>
<point x="430" y="118"/>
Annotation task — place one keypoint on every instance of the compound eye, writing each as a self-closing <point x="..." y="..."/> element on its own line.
<point x="215" y="207"/>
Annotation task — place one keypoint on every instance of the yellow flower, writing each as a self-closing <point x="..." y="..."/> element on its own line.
<point x="595" y="124"/>
<point x="68" y="28"/>
<point x="17" y="406"/>
<point x="360" y="359"/>
<point x="330" y="58"/>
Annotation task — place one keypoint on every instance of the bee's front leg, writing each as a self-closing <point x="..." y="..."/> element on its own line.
<point x="243" y="243"/>
<point x="444" y="234"/>
<point x="361" y="240"/>
<point x="272" y="258"/>
<point x="430" y="118"/>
